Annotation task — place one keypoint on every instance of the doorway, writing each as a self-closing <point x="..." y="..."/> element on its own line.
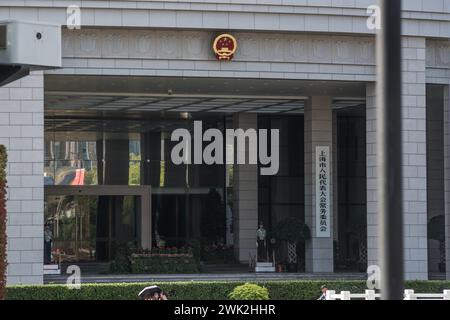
<point x="180" y="216"/>
<point x="87" y="223"/>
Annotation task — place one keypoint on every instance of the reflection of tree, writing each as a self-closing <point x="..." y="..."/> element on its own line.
<point x="230" y="172"/>
<point x="74" y="226"/>
<point x="65" y="225"/>
<point x="294" y="232"/>
<point x="162" y="174"/>
<point x="436" y="231"/>
<point x="92" y="236"/>
<point x="358" y="229"/>
<point x="128" y="210"/>
<point x="90" y="177"/>
<point x="134" y="170"/>
<point x="213" y="217"/>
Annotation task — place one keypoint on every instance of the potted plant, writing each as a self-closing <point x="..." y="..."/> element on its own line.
<point x="161" y="243"/>
<point x="280" y="267"/>
<point x="360" y="236"/>
<point x="292" y="230"/>
<point x="436" y="231"/>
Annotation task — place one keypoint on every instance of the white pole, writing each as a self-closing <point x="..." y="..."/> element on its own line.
<point x="370" y="295"/>
<point x="409" y="295"/>
<point x="330" y="295"/>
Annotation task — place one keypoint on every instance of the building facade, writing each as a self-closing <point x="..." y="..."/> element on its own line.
<point x="89" y="144"/>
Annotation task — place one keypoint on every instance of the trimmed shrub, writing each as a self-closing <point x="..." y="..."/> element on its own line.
<point x="3" y="262"/>
<point x="165" y="264"/>
<point x="249" y="291"/>
<point x="201" y="290"/>
<point x="121" y="263"/>
<point x="218" y="254"/>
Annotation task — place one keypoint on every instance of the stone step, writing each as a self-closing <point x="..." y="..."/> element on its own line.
<point x="264" y="267"/>
<point x="264" y="264"/>
<point x="52" y="272"/>
<point x="52" y="269"/>
<point x="262" y="270"/>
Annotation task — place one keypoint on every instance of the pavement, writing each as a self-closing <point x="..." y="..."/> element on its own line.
<point x="130" y="278"/>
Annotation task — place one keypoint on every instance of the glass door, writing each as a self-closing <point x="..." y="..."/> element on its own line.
<point x="70" y="233"/>
<point x="88" y="228"/>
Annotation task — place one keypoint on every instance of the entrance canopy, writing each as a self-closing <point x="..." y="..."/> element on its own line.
<point x="137" y="95"/>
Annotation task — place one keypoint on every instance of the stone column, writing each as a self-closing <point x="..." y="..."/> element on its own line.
<point x="371" y="173"/>
<point x="22" y="132"/>
<point x="447" y="178"/>
<point x="414" y="163"/>
<point x="245" y="189"/>
<point x="318" y="132"/>
<point x="414" y="158"/>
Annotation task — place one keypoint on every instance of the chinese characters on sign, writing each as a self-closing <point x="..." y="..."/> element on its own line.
<point x="323" y="192"/>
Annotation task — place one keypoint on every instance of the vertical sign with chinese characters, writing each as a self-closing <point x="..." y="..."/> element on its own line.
<point x="322" y="178"/>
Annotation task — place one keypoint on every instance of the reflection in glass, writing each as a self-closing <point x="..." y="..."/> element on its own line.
<point x="282" y="195"/>
<point x="72" y="221"/>
<point x="188" y="201"/>
<point x="99" y="155"/>
<point x="75" y="172"/>
<point x="351" y="245"/>
<point x="89" y="228"/>
<point x="179" y="218"/>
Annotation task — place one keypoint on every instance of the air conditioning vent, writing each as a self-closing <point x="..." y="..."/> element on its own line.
<point x="36" y="45"/>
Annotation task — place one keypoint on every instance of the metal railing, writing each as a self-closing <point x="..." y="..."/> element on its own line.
<point x="372" y="295"/>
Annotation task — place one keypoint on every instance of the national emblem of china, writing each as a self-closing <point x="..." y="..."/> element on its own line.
<point x="224" y="47"/>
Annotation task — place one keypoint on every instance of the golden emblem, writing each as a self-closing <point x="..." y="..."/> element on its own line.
<point x="225" y="45"/>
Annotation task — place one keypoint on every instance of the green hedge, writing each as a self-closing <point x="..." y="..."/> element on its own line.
<point x="278" y="290"/>
<point x="164" y="264"/>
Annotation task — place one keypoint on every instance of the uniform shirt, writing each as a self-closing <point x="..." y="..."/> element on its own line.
<point x="261" y="234"/>
<point x="48" y="236"/>
<point x="323" y="296"/>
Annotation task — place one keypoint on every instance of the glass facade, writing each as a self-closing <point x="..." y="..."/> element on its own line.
<point x="108" y="153"/>
<point x="350" y="249"/>
<point x="191" y="204"/>
<point x="435" y="183"/>
<point x="187" y="200"/>
<point x="282" y="195"/>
